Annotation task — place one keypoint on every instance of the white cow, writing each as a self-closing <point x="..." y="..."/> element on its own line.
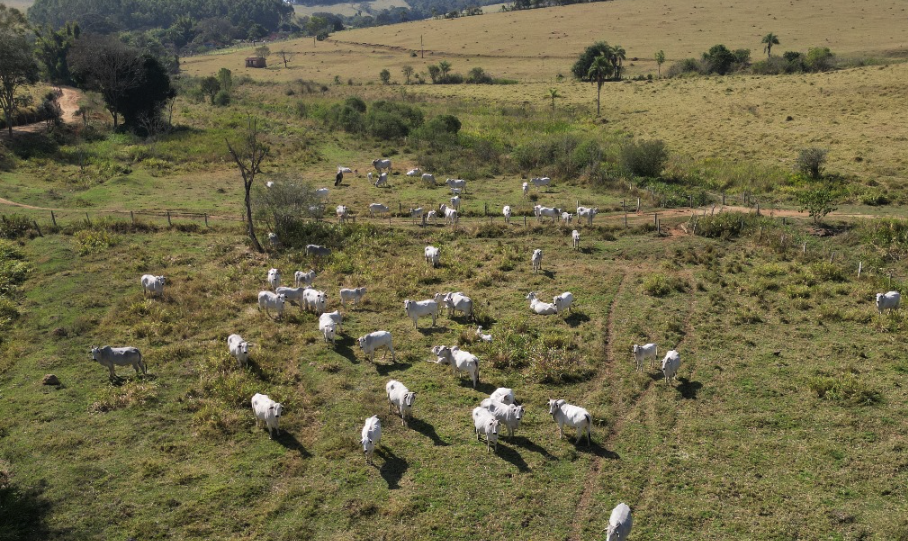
<point x="377" y="208"/>
<point x="564" y="301"/>
<point x="317" y="250"/>
<point x="588" y="213"/>
<point x="273" y="240"/>
<point x="541" y="181"/>
<point x="382" y="180"/>
<point x="414" y="172"/>
<point x="546" y="212"/>
<point x="458" y="302"/>
<point x="455" y="202"/>
<point x="352" y="295"/>
<point x="428" y="178"/>
<point x="402" y="398"/>
<point x="342" y="213"/>
<point x="619" y="524"/>
<point x="884" y="301"/>
<point x="536" y="259"/>
<point x="416" y="214"/>
<point x="507" y="213"/>
<point x="371" y="436"/>
<point x="315" y="300"/>
<point x="239" y="348"/>
<point x="378" y="339"/>
<point x="269" y="184"/>
<point x="369" y="176"/>
<point x="416" y="309"/>
<point x="322" y="193"/>
<point x="292" y="294"/>
<point x="300" y="277"/>
<point x="329" y="324"/>
<point x="526" y="188"/>
<point x="642" y="353"/>
<point x="274" y="278"/>
<point x="432" y="216"/>
<point x="484" y="422"/>
<point x="450" y="214"/>
<point x="457" y="183"/>
<point x="382" y="164"/>
<point x="507" y="414"/>
<point x="154" y="284"/>
<point x="342" y="169"/>
<point x="539" y="307"/>
<point x="267" y="411"/>
<point x="272" y="301"/>
<point x="670" y="365"/>
<point x="109" y="357"/>
<point x="455" y="191"/>
<point x="575" y="239"/>
<point x="432" y="255"/>
<point x="573" y="416"/>
<point x="460" y="361"/>
<point x="483" y="337"/>
<point x="566" y="217"/>
<point x="503" y="395"/>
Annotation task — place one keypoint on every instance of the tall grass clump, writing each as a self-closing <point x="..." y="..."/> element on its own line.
<point x="845" y="388"/>
<point x="644" y="158"/>
<point x="560" y="155"/>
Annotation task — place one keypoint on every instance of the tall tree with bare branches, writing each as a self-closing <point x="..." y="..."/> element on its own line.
<point x="248" y="153"/>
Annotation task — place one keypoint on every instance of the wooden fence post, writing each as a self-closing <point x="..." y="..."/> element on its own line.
<point x="723" y="199"/>
<point x="638" y="204"/>
<point x="87" y="219"/>
<point x="132" y="217"/>
<point x="860" y="268"/>
<point x="625" y="219"/>
<point x="206" y="219"/>
<point x="38" y="229"/>
<point x="655" y="218"/>
<point x="168" y="219"/>
<point x="53" y="218"/>
<point x="524" y="221"/>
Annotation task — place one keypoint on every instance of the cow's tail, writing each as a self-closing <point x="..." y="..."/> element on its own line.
<point x="589" y="428"/>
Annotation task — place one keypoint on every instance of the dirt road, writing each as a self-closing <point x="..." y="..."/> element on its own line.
<point x="69" y="103"/>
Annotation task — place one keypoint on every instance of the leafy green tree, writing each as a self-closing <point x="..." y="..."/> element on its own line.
<point x="720" y="59"/>
<point x="18" y="69"/>
<point x="768" y="41"/>
<point x="385" y="76"/>
<point x="553" y="95"/>
<point x="225" y="79"/>
<point x="619" y="55"/>
<point x="210" y="86"/>
<point x="256" y="32"/>
<point x="660" y="59"/>
<point x="51" y="48"/>
<point x="818" y="203"/>
<point x="444" y="67"/>
<point x="598" y="73"/>
<point x="810" y="162"/>
<point x="434" y="73"/>
<point x="107" y="66"/>
<point x="819" y="59"/>
<point x="12" y="20"/>
<point x="407" y="71"/>
<point x="263" y="51"/>
<point x="144" y="103"/>
<point x="581" y="68"/>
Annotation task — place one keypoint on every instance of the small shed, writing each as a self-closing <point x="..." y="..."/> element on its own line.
<point x="256" y="62"/>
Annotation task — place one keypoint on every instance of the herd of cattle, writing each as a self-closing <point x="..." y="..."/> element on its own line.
<point x="500" y="409"/>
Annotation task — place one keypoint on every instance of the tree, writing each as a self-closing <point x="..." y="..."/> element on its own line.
<point x="51" y="48"/>
<point x="720" y="59"/>
<point x="256" y="32"/>
<point x="598" y="73"/>
<point x="810" y="162"/>
<point x="248" y="154"/>
<point x="263" y="51"/>
<point x="108" y="66"/>
<point x="385" y="76"/>
<point x="285" y="56"/>
<point x="553" y="93"/>
<point x="316" y="26"/>
<point x="444" y="67"/>
<point x="581" y="68"/>
<point x="618" y="57"/>
<point x="210" y="86"/>
<point x="407" y="71"/>
<point x="660" y="59"/>
<point x="18" y="69"/>
<point x="147" y="99"/>
<point x="12" y="20"/>
<point x="225" y="79"/>
<point x="769" y="40"/>
<point x="434" y="72"/>
<point x="818" y="203"/>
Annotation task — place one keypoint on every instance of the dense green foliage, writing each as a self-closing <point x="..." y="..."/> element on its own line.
<point x="614" y="56"/>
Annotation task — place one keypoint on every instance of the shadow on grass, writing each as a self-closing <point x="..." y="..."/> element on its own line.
<point x="429" y="331"/>
<point x="548" y="274"/>
<point x="290" y="442"/>
<point x="484" y="388"/>
<point x="530" y="446"/>
<point x="513" y="456"/>
<point x="24" y="513"/>
<point x="587" y="250"/>
<point x="385" y="369"/>
<point x="393" y="469"/>
<point x="427" y="430"/>
<point x="576" y="318"/>
<point x="688" y="389"/>
<point x="343" y="346"/>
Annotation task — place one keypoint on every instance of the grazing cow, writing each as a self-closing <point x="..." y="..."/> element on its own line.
<point x="546" y="212"/>
<point x="428" y="178"/>
<point x="354" y="295"/>
<point x="329" y="324"/>
<point x="642" y="353"/>
<point x="377" y="208"/>
<point x="503" y="395"/>
<point x="450" y="214"/>
<point x="575" y="239"/>
<point x="382" y="180"/>
<point x="300" y="277"/>
<point x="432" y="216"/>
<point x="460" y="361"/>
<point x="378" y="339"/>
<point x="109" y="357"/>
<point x="416" y="214"/>
<point x="455" y="191"/>
<point x="342" y="169"/>
<point x="573" y="416"/>
<point x="536" y="259"/>
<point x="267" y="411"/>
<point x="670" y="365"/>
<point x="414" y="172"/>
<point x="315" y="300"/>
<point x="507" y="213"/>
<point x="484" y="422"/>
<point x="338" y="179"/>
<point x="457" y="183"/>
<point x="619" y="524"/>
<point x="272" y="301"/>
<point x="884" y="301"/>
<point x="455" y="202"/>
<point x="416" y="309"/>
<point x="483" y="337"/>
<point x="381" y="164"/>
<point x="541" y="181"/>
<point x="371" y="436"/>
<point x="458" y="302"/>
<point x="317" y="250"/>
<point x="402" y="398"/>
<point x="292" y="294"/>
<point x="342" y="213"/>
<point x="507" y="414"/>
<point x="274" y="278"/>
<point x="588" y="213"/>
<point x="238" y="348"/>
<point x="322" y="193"/>
<point x="526" y="188"/>
<point x="564" y="301"/>
<point x="154" y="284"/>
<point x="273" y="240"/>
<point x="566" y="217"/>
<point x="432" y="255"/>
<point x="539" y="307"/>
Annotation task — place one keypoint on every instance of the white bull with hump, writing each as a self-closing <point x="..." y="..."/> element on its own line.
<point x="121" y="356"/>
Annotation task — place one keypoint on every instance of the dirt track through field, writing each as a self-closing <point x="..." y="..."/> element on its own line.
<point x="69" y="104"/>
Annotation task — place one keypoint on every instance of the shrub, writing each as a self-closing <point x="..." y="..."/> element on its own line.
<point x="222" y="98"/>
<point x="385" y="76"/>
<point x="562" y="155"/>
<point x="390" y="120"/>
<point x="659" y="285"/>
<point x="719" y="59"/>
<point x="644" y="158"/>
<point x="819" y="59"/>
<point x="14" y="226"/>
<point x="445" y="123"/>
<point x="356" y="103"/>
<point x="810" y="161"/>
<point x="91" y="241"/>
<point x="478" y="76"/>
<point x="283" y="207"/>
<point x="818" y="203"/>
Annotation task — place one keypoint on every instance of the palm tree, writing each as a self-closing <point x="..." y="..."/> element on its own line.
<point x="618" y="55"/>
<point x="408" y="72"/>
<point x="553" y="93"/>
<point x="445" y="67"/>
<point x="660" y="59"/>
<point x="600" y="70"/>
<point x="769" y="39"/>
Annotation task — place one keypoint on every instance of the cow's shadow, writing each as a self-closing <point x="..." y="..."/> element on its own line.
<point x="25" y="512"/>
<point x="343" y="346"/>
<point x="427" y="430"/>
<point x="385" y="369"/>
<point x="429" y="331"/>
<point x="548" y="274"/>
<point x="527" y="444"/>
<point x="576" y="318"/>
<point x="688" y="389"/>
<point x="290" y="442"/>
<point x="393" y="468"/>
<point x="513" y="456"/>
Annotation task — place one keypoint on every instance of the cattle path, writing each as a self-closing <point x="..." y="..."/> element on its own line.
<point x="69" y="104"/>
